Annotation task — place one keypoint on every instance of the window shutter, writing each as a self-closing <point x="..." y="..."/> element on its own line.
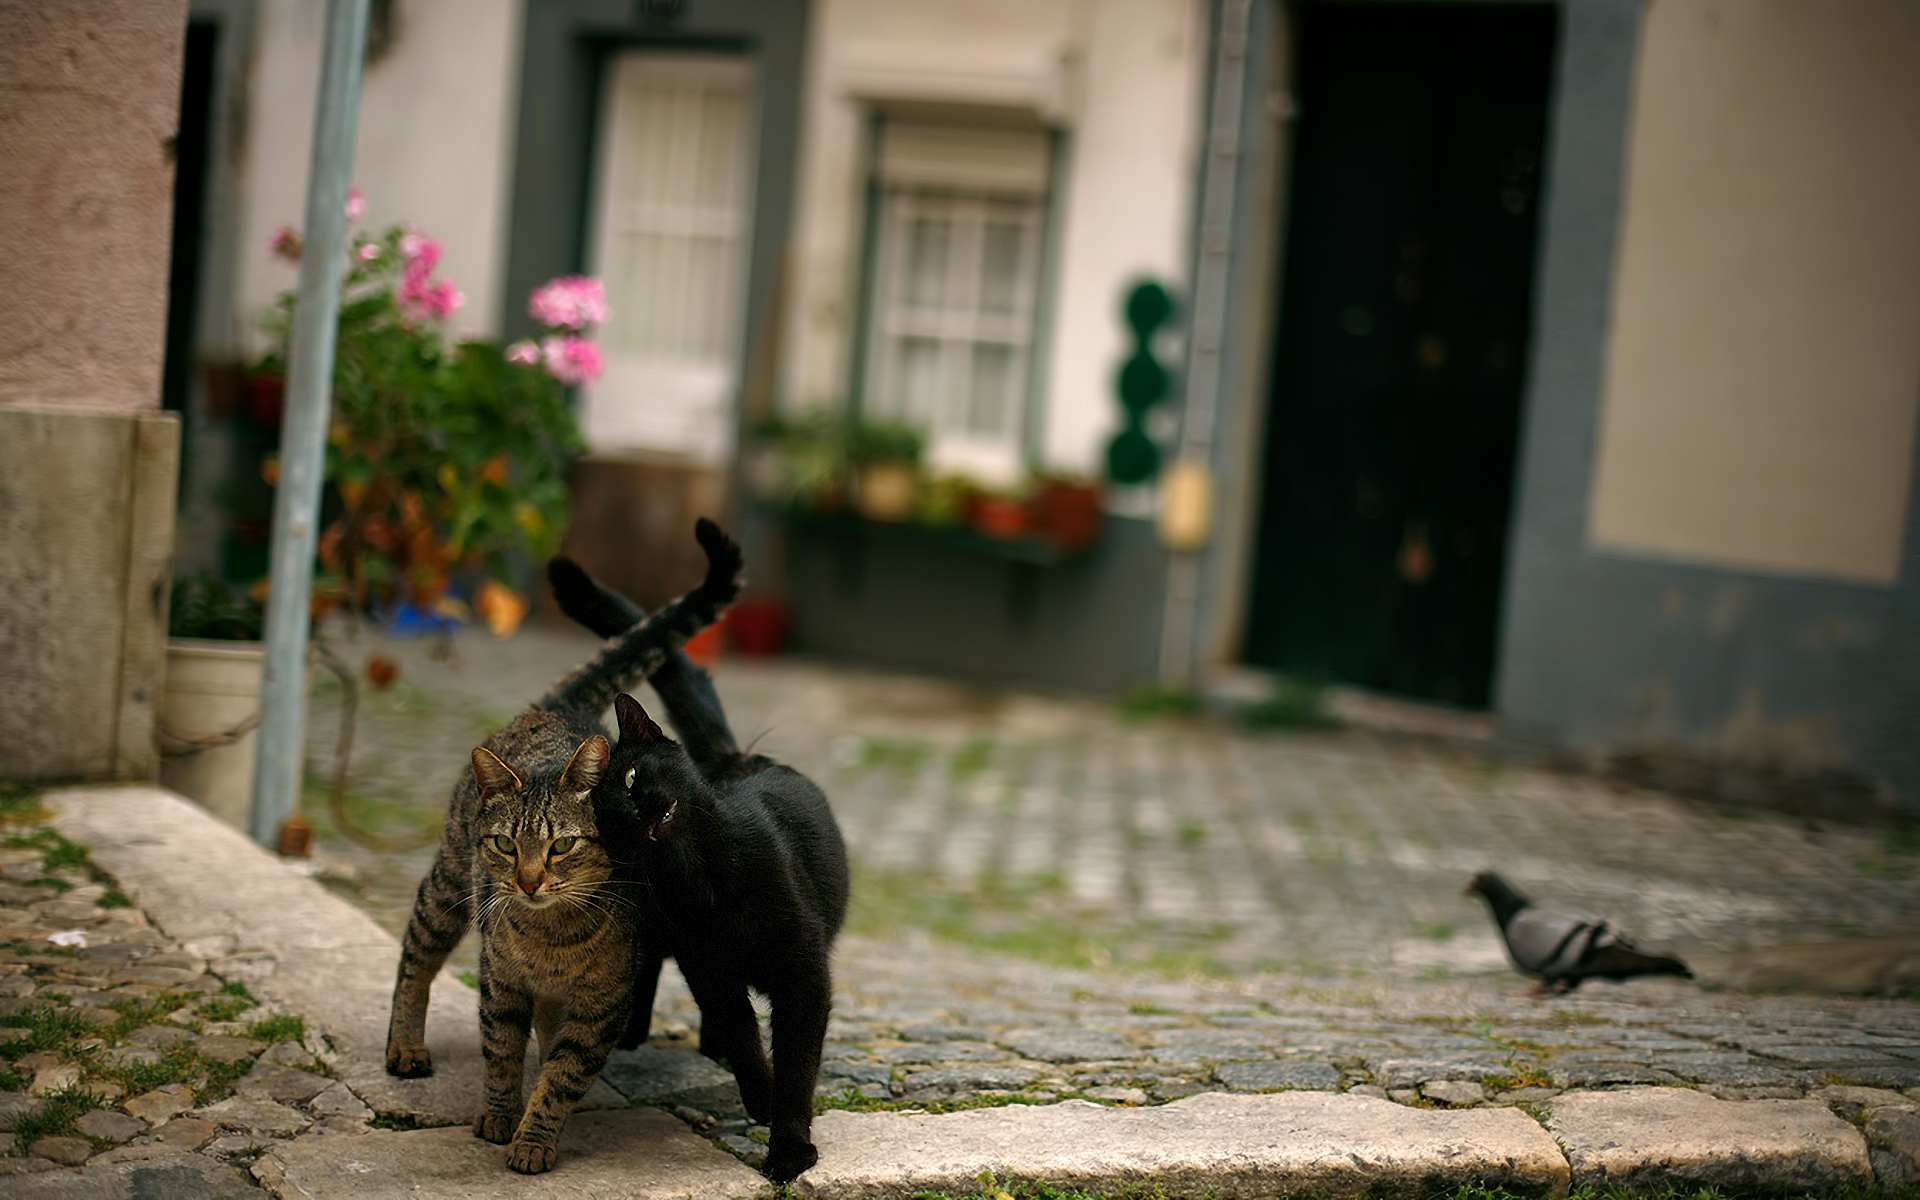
<point x="970" y="159"/>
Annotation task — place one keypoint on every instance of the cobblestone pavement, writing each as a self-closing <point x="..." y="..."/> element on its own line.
<point x="1053" y="828"/>
<point x="1053" y="901"/>
<point x="118" y="1046"/>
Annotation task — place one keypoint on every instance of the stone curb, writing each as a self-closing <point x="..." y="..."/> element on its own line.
<point x="1229" y="1146"/>
<point x="1673" y="1136"/>
<point x="309" y="951"/>
<point x="650" y="1155"/>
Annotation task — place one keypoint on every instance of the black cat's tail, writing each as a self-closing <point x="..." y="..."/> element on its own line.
<point x="640" y="650"/>
<point x="684" y="688"/>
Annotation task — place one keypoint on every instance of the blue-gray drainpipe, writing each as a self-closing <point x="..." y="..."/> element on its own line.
<point x="303" y="436"/>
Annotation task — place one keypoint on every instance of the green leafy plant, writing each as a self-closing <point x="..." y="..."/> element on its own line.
<point x="442" y="456"/>
<point x="1294" y="704"/>
<point x="874" y="440"/>
<point x="207" y="606"/>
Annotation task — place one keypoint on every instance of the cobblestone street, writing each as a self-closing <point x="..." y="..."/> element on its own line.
<point x="1055" y="829"/>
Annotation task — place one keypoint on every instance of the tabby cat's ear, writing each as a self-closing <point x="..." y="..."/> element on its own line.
<point x="493" y="776"/>
<point x="635" y="724"/>
<point x="588" y="766"/>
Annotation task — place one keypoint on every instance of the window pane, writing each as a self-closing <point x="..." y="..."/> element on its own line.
<point x="927" y="239"/>
<point x="917" y="390"/>
<point x="992" y="386"/>
<point x="715" y="185"/>
<point x="1000" y="268"/>
<point x="705" y="297"/>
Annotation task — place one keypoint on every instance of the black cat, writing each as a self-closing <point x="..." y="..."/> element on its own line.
<point x="742" y="878"/>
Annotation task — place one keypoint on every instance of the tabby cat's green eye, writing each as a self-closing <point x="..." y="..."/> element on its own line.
<point x="502" y="843"/>
<point x="562" y="845"/>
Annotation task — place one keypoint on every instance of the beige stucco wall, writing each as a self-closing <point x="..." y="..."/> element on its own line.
<point x="87" y="113"/>
<point x="1122" y="78"/>
<point x="1763" y="371"/>
<point x="435" y="129"/>
<point x="89" y="90"/>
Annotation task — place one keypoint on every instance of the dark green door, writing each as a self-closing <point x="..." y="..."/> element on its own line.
<point x="1401" y="349"/>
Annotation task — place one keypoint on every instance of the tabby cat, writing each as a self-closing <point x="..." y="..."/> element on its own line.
<point x="523" y="852"/>
<point x="743" y="880"/>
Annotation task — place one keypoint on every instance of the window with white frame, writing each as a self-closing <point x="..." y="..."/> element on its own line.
<point x="962" y="217"/>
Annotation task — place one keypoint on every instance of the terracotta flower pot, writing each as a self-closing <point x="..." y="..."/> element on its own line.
<point x="706" y="647"/>
<point x="758" y="625"/>
<point x="1068" y="513"/>
<point x="266" y="398"/>
<point x="998" y="516"/>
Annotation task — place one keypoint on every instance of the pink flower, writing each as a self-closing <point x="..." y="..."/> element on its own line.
<point x="356" y="203"/>
<point x="569" y="302"/>
<point x="571" y="358"/>
<point x="526" y="353"/>
<point x="421" y="252"/>
<point x="423" y="299"/>
<point x="368" y="251"/>
<point x="285" y="243"/>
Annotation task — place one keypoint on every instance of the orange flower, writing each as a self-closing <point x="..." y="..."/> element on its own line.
<point x="500" y="607"/>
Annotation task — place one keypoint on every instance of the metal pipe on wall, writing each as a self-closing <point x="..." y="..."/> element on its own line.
<point x="296" y="506"/>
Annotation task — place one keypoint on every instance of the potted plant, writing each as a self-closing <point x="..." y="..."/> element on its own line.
<point x="885" y="458"/>
<point x="446" y="457"/>
<point x="211" y="701"/>
<point x="998" y="513"/>
<point x="1066" y="510"/>
<point x="802" y="456"/>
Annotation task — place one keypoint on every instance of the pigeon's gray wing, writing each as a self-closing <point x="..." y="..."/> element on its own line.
<point x="1547" y="944"/>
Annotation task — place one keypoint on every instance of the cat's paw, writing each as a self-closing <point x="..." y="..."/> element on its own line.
<point x="409" y="1062"/>
<point x="495" y="1127"/>
<point x="785" y="1160"/>
<point x="530" y="1157"/>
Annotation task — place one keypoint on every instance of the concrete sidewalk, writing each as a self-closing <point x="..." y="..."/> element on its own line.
<point x="1408" y="1086"/>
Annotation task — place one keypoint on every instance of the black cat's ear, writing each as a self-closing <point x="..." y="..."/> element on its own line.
<point x="493" y="776"/>
<point x="635" y="724"/>
<point x="588" y="766"/>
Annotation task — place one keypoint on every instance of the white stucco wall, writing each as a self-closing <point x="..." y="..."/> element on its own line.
<point x="1122" y="78"/>
<point x="1763" y="374"/>
<point x="435" y="135"/>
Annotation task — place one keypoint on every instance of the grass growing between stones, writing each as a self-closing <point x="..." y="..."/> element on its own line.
<point x="1528" y="1075"/>
<point x="51" y="1028"/>
<point x="850" y="1099"/>
<point x="284" y="1027"/>
<point x="993" y="1187"/>
<point x="20" y="803"/>
<point x="64" y="1106"/>
<point x="233" y="999"/>
<point x="1032" y="918"/>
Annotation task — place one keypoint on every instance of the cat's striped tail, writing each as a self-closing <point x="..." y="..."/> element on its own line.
<point x="626" y="660"/>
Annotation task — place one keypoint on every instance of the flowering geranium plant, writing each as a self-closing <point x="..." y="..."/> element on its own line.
<point x="446" y="457"/>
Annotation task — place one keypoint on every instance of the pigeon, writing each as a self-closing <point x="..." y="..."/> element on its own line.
<point x="1561" y="950"/>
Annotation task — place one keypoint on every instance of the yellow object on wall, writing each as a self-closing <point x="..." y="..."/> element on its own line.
<point x="1186" y="505"/>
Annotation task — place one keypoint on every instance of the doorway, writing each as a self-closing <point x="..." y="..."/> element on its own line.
<point x="671" y="238"/>
<point x="1404" y="321"/>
